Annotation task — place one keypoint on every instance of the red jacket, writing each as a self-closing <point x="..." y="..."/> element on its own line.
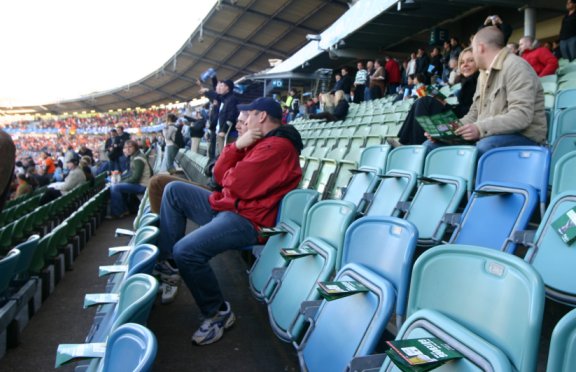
<point x="542" y="61"/>
<point x="254" y="180"/>
<point x="393" y="74"/>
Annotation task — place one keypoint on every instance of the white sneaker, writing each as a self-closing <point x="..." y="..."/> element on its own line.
<point x="168" y="293"/>
<point x="212" y="329"/>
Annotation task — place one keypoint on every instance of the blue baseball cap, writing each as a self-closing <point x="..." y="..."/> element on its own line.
<point x="266" y="104"/>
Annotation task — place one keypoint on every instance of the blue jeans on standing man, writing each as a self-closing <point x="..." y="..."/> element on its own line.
<point x="119" y="192"/>
<point x="217" y="233"/>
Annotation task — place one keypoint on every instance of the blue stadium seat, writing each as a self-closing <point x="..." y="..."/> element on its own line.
<point x="493" y="213"/>
<point x="562" y="353"/>
<point x="386" y="246"/>
<point x="347" y="327"/>
<point x="564" y="175"/>
<point x="520" y="164"/>
<point x="293" y="211"/>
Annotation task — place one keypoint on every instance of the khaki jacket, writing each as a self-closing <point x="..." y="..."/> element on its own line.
<point x="509" y="99"/>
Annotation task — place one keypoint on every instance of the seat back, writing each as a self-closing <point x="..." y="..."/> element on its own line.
<point x="327" y="220"/>
<point x="396" y="186"/>
<point x="298" y="285"/>
<point x="563" y="123"/>
<point x="7" y="265"/>
<point x="478" y="354"/>
<point x="495" y="295"/>
<point x="551" y="257"/>
<point x="146" y="235"/>
<point x="131" y="347"/>
<point x="490" y="220"/>
<point x="409" y="158"/>
<point x="431" y="202"/>
<point x="350" y="326"/>
<point x="386" y="246"/>
<point x="562" y="353"/>
<point x="456" y="161"/>
<point x="142" y="259"/>
<point x="137" y="295"/>
<point x="565" y="144"/>
<point x="375" y="157"/>
<point x="564" y="175"/>
<point x="519" y="164"/>
<point x="293" y="213"/>
<point x="27" y="252"/>
<point x="360" y="183"/>
<point x="148" y="219"/>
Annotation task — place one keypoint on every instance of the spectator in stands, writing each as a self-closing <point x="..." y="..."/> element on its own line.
<point x="113" y="150"/>
<point x="171" y="149"/>
<point x="446" y="69"/>
<point x="85" y="151"/>
<point x="122" y="137"/>
<point x="227" y="113"/>
<point x="568" y="32"/>
<point x="556" y="49"/>
<point x="340" y="109"/>
<point x="8" y="156"/>
<point x="514" y="48"/>
<point x="25" y="185"/>
<point x="453" y="72"/>
<point x="47" y="169"/>
<point x="393" y="75"/>
<point x="422" y="64"/>
<point x="411" y="67"/>
<point x="540" y="58"/>
<point x="370" y="69"/>
<point x="255" y="173"/>
<point x="213" y="122"/>
<point x="411" y="133"/>
<point x="196" y="130"/>
<point x="344" y="84"/>
<point x="360" y="82"/>
<point x="455" y="48"/>
<point x="74" y="178"/>
<point x="293" y="105"/>
<point x="436" y="62"/>
<point x="509" y="105"/>
<point x="378" y="80"/>
<point x="133" y="182"/>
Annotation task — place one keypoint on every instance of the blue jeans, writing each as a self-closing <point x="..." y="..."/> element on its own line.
<point x="489" y="143"/>
<point x="169" y="156"/>
<point x="119" y="192"/>
<point x="217" y="233"/>
<point x="568" y="48"/>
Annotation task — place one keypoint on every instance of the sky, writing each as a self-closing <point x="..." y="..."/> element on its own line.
<point x="54" y="50"/>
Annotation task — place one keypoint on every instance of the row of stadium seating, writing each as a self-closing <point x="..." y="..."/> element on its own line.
<point x="38" y="247"/>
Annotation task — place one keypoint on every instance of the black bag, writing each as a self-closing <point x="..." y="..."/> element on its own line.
<point x="179" y="137"/>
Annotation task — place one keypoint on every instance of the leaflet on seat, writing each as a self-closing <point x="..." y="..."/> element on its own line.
<point x="565" y="226"/>
<point x="92" y="299"/>
<point x="335" y="290"/>
<point x="67" y="353"/>
<point x="290" y="254"/>
<point x="422" y="354"/>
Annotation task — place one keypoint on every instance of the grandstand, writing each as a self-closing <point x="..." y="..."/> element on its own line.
<point x="447" y="244"/>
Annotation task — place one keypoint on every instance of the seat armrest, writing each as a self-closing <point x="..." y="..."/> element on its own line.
<point x="366" y="363"/>
<point x="92" y="299"/>
<point x="115" y="250"/>
<point x="124" y="232"/>
<point x="111" y="269"/>
<point x="309" y="308"/>
<point x="67" y="353"/>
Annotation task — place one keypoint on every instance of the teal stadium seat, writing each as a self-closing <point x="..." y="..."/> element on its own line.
<point x="562" y="353"/>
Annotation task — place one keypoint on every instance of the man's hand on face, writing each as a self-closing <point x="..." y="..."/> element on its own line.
<point x="250" y="137"/>
<point x="469" y="132"/>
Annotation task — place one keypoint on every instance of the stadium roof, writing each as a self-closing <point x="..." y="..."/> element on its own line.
<point x="237" y="38"/>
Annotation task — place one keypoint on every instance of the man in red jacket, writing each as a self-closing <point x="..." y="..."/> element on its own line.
<point x="254" y="173"/>
<point x="393" y="75"/>
<point x="540" y="58"/>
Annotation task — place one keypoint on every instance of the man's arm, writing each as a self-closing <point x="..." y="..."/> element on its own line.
<point x="520" y="84"/>
<point x="549" y="62"/>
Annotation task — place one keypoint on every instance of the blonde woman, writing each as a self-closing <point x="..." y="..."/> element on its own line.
<point x="340" y="110"/>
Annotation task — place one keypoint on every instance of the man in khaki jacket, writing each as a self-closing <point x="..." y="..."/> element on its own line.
<point x="508" y="106"/>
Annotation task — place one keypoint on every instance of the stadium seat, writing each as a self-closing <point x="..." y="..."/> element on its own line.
<point x="478" y="354"/>
<point x="409" y="158"/>
<point x="386" y="246"/>
<point x="141" y="260"/>
<point x="440" y="193"/>
<point x="550" y="256"/>
<point x="519" y="164"/>
<point x="347" y="327"/>
<point x="491" y="294"/>
<point x="564" y="175"/>
<point x="133" y="304"/>
<point x="8" y="264"/>
<point x="27" y="252"/>
<point x="131" y="347"/>
<point x="145" y="234"/>
<point x="296" y="283"/>
<point x="562" y="353"/>
<point x="293" y="211"/>
<point x="147" y="219"/>
<point x="493" y="213"/>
